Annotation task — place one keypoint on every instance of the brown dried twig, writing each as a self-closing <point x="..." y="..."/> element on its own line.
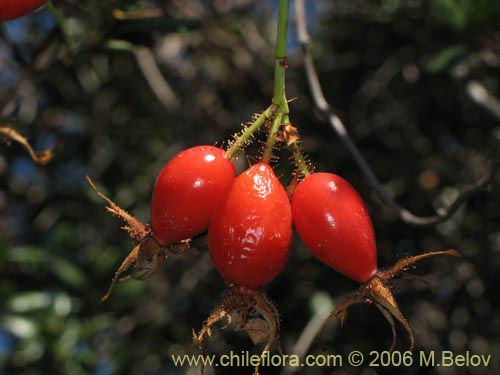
<point x="39" y="157"/>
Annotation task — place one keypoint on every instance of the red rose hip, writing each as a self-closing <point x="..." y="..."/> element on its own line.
<point x="249" y="239"/>
<point x="186" y="192"/>
<point x="10" y="9"/>
<point x="251" y="229"/>
<point x="333" y="222"/>
<point x="331" y="219"/>
<point x="184" y="196"/>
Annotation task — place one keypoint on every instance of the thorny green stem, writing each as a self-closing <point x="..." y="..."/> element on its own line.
<point x="271" y="138"/>
<point x="241" y="141"/>
<point x="278" y="111"/>
<point x="300" y="161"/>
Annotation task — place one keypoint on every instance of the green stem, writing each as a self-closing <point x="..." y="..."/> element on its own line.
<point x="279" y="100"/>
<point x="280" y="65"/>
<point x="299" y="159"/>
<point x="240" y="142"/>
<point x="271" y="138"/>
<point x="278" y="111"/>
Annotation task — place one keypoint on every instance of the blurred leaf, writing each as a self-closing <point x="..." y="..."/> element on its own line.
<point x="121" y="46"/>
<point x="63" y="305"/>
<point x="452" y="12"/>
<point x="65" y="270"/>
<point x="461" y="14"/>
<point x="68" y="339"/>
<point x="128" y="290"/>
<point x="105" y="261"/>
<point x="19" y="326"/>
<point x="30" y="350"/>
<point x="69" y="273"/>
<point x="65" y="235"/>
<point x="28" y="255"/>
<point x="29" y="301"/>
<point x="58" y="304"/>
<point x="447" y="57"/>
<point x="95" y="324"/>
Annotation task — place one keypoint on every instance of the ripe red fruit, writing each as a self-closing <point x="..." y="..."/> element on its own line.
<point x="249" y="239"/>
<point x="251" y="229"/>
<point x="10" y="9"/>
<point x="186" y="192"/>
<point x="333" y="222"/>
<point x="184" y="196"/>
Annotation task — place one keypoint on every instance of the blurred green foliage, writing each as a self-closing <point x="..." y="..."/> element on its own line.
<point x="463" y="14"/>
<point x="402" y="74"/>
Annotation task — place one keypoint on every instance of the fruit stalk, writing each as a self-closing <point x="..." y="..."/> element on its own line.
<point x="280" y="65"/>
<point x="300" y="161"/>
<point x="240" y="141"/>
<point x="279" y="95"/>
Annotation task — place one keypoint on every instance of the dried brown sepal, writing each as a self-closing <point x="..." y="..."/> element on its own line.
<point x="180" y="247"/>
<point x="137" y="230"/>
<point x="148" y="256"/>
<point x="406" y="263"/>
<point x="290" y="134"/>
<point x="379" y="291"/>
<point x="256" y="328"/>
<point x="388" y="316"/>
<point x="39" y="157"/>
<point x="256" y="315"/>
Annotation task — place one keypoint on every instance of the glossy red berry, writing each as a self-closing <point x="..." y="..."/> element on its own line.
<point x="333" y="222"/>
<point x="251" y="229"/>
<point x="10" y="9"/>
<point x="186" y="192"/>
